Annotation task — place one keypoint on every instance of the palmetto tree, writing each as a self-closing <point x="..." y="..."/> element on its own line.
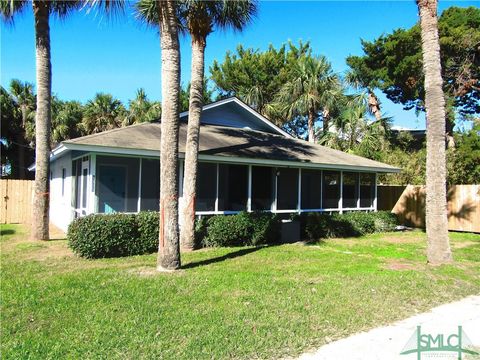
<point x="438" y="245"/>
<point x="357" y="81"/>
<point x="201" y="18"/>
<point x="42" y="9"/>
<point x="103" y="112"/>
<point x="312" y="89"/>
<point x="164" y="14"/>
<point x="24" y="97"/>
<point x="141" y="109"/>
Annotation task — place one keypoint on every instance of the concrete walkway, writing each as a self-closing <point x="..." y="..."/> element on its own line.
<point x="389" y="341"/>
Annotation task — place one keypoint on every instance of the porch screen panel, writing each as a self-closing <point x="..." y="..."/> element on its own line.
<point x="350" y="189"/>
<point x="206" y="187"/>
<point x="117" y="184"/>
<point x="232" y="187"/>
<point x="367" y="190"/>
<point x="331" y="189"/>
<point x="150" y="193"/>
<point x="287" y="188"/>
<point x="263" y="187"/>
<point x="311" y="189"/>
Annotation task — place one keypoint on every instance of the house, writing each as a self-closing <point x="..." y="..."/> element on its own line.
<point x="245" y="163"/>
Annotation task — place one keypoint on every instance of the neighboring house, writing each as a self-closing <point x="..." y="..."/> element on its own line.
<point x="245" y="163"/>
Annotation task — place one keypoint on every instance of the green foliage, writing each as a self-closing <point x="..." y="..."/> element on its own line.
<point x="255" y="76"/>
<point x="100" y="236"/>
<point x="463" y="162"/>
<point x="320" y="225"/>
<point x="103" y="112"/>
<point x="393" y="62"/>
<point x="148" y="225"/>
<point x="242" y="229"/>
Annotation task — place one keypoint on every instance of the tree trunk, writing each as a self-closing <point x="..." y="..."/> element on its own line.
<point x="438" y="246"/>
<point x="311" y="126"/>
<point x="187" y="231"/>
<point x="374" y="105"/>
<point x="326" y="120"/>
<point x="169" y="247"/>
<point x="41" y="195"/>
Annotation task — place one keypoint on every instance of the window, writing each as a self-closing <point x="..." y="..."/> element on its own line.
<point x="287" y="188"/>
<point x="232" y="187"/>
<point x="64" y="176"/>
<point x="262" y="187"/>
<point x="367" y="190"/>
<point x="206" y="187"/>
<point x="331" y="189"/>
<point x="311" y="189"/>
<point x="350" y="190"/>
<point x="150" y="193"/>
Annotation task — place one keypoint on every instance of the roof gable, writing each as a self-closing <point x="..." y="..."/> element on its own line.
<point x="234" y="113"/>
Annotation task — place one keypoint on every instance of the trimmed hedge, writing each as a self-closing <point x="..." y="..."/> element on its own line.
<point x="242" y="229"/>
<point x="99" y="236"/>
<point x="320" y="225"/>
<point x="114" y="235"/>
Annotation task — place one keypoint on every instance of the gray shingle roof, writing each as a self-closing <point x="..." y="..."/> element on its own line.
<point x="232" y="142"/>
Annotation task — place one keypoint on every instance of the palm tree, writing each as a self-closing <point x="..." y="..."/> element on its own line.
<point x="312" y="89"/>
<point x="438" y="245"/>
<point x="165" y="15"/>
<point x="141" y="109"/>
<point x="103" y="112"/>
<point x="201" y="17"/>
<point x="66" y="120"/>
<point x="24" y="97"/>
<point x="357" y="81"/>
<point x="42" y="9"/>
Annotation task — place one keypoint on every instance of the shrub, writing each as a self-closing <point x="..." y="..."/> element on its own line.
<point x="148" y="224"/>
<point x="99" y="236"/>
<point x="320" y="225"/>
<point x="242" y="229"/>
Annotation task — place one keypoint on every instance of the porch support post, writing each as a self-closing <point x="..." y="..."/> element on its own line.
<point x="275" y="192"/>
<point x="93" y="201"/>
<point x="357" y="184"/>
<point x="375" y="198"/>
<point x="321" y="189"/>
<point x="249" y="199"/>
<point x="340" y="200"/>
<point x="299" y="200"/>
<point x="139" y="200"/>
<point x="216" y="190"/>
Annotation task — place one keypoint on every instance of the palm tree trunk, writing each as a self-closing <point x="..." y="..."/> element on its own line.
<point x="326" y="120"/>
<point x="374" y="105"/>
<point x="41" y="195"/>
<point x="311" y="126"/>
<point x="438" y="246"/>
<point x="169" y="248"/>
<point x="187" y="231"/>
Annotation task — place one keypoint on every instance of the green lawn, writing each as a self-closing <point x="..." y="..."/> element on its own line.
<point x="226" y="303"/>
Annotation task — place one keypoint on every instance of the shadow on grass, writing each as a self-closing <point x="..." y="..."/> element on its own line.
<point x="231" y="255"/>
<point x="7" y="232"/>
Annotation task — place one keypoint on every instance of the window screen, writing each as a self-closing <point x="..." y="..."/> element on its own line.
<point x="350" y="189"/>
<point x="311" y="189"/>
<point x="367" y="190"/>
<point x="262" y="187"/>
<point x="287" y="188"/>
<point x="206" y="187"/>
<point x="331" y="189"/>
<point x="232" y="187"/>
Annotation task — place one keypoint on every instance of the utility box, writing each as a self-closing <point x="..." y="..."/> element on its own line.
<point x="290" y="232"/>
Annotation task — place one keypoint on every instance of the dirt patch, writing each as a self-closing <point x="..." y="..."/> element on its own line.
<point x="398" y="239"/>
<point x="463" y="244"/>
<point x="52" y="250"/>
<point x="147" y="271"/>
<point x="401" y="265"/>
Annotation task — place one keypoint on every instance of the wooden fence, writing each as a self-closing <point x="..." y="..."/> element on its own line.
<point x="16" y="201"/>
<point x="408" y="202"/>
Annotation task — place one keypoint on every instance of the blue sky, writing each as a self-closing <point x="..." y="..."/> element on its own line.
<point x="91" y="54"/>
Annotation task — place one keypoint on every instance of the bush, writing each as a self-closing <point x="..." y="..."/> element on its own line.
<point x="148" y="224"/>
<point x="320" y="225"/>
<point x="99" y="236"/>
<point x="242" y="229"/>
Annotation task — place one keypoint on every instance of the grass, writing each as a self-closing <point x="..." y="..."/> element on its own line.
<point x="264" y="302"/>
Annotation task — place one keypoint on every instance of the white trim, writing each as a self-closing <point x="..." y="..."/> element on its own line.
<point x="321" y="188"/>
<point x="274" y="205"/>
<point x="299" y="195"/>
<point x="93" y="182"/>
<point x="340" y="200"/>
<point x="216" y="189"/>
<point x="375" y="197"/>
<point x="358" y="189"/>
<point x="246" y="107"/>
<point x="139" y="195"/>
<point x="249" y="199"/>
